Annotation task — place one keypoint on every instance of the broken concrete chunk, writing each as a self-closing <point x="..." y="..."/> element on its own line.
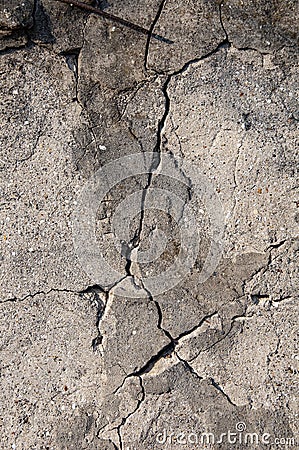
<point x="131" y="337"/>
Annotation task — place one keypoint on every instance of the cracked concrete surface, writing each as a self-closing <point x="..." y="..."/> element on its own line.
<point x="82" y="367"/>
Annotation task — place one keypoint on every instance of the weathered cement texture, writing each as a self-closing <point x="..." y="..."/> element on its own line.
<point x="15" y="19"/>
<point x="264" y="26"/>
<point x="195" y="28"/>
<point x="39" y="181"/>
<point x="48" y="369"/>
<point x="86" y="368"/>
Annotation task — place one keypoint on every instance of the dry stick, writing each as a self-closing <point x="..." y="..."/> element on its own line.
<point x="116" y="19"/>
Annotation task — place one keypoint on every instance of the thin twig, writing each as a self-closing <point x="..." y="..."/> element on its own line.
<point x="116" y="19"/>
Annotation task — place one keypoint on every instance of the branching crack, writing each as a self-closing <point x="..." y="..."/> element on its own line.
<point x="228" y="333"/>
<point x="124" y="420"/>
<point x="135" y="241"/>
<point x="84" y="6"/>
<point x="276" y="244"/>
<point x="169" y="348"/>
